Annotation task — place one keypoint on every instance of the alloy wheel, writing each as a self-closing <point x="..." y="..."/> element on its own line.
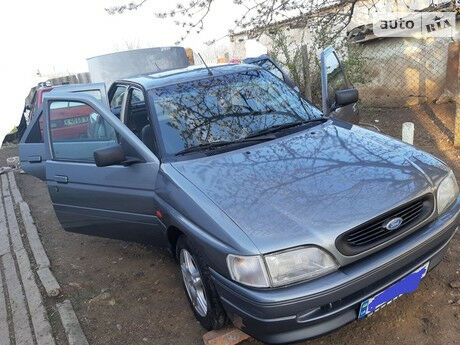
<point x="193" y="282"/>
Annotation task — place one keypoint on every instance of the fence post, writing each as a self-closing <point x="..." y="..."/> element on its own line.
<point x="457" y="103"/>
<point x="306" y="71"/>
<point x="457" y="117"/>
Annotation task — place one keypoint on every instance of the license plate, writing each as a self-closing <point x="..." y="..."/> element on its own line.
<point x="406" y="285"/>
<point x="73" y="121"/>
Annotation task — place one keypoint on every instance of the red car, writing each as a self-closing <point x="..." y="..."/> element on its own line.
<point x="71" y="120"/>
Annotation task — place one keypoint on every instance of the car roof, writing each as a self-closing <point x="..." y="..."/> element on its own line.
<point x="191" y="73"/>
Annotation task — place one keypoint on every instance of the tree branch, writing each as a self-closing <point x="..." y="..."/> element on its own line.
<point x="257" y="15"/>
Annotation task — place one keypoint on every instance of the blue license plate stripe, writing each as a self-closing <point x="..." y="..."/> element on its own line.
<point x="406" y="285"/>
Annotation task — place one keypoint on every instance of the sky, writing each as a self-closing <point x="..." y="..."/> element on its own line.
<point x="56" y="36"/>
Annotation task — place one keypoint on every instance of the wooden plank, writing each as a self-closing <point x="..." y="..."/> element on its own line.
<point x="225" y="336"/>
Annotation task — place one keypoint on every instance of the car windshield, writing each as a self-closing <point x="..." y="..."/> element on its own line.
<point x="226" y="108"/>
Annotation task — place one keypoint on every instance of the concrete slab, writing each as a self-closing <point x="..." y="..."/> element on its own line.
<point x="41" y="259"/>
<point x="5" y="188"/>
<point x="4" y="330"/>
<point x="40" y="323"/>
<point x="49" y="282"/>
<point x="20" y="315"/>
<point x="71" y="324"/>
<point x="4" y="240"/>
<point x="15" y="235"/>
<point x="17" y="198"/>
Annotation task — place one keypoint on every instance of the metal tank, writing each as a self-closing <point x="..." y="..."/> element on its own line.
<point x="110" y="67"/>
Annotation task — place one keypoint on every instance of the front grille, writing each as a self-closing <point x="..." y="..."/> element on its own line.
<point x="374" y="232"/>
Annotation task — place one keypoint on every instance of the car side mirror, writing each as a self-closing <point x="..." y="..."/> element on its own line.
<point x="346" y="97"/>
<point x="112" y="155"/>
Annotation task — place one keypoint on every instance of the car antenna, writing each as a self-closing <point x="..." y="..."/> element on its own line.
<point x="204" y="63"/>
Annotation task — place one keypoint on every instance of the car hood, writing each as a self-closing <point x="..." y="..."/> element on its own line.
<point x="311" y="186"/>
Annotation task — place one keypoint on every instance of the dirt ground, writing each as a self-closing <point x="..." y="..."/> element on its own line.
<point x="125" y="293"/>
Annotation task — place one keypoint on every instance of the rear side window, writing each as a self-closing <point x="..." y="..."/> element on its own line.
<point x="137" y="97"/>
<point x="269" y="66"/>
<point x="117" y="97"/>
<point x="36" y="133"/>
<point x="77" y="130"/>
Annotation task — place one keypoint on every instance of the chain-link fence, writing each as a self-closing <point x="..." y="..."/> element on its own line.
<point x="403" y="71"/>
<point x="391" y="71"/>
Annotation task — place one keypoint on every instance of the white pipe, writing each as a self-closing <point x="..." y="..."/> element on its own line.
<point x="408" y="132"/>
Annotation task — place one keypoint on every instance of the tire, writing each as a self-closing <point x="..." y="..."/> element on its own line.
<point x="213" y="317"/>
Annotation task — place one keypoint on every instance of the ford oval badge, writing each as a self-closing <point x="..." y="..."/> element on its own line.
<point x="393" y="223"/>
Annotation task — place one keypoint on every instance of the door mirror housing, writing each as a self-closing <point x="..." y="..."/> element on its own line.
<point x="346" y="97"/>
<point x="112" y="155"/>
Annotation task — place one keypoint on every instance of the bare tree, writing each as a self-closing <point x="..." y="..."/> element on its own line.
<point x="128" y="44"/>
<point x="257" y="15"/>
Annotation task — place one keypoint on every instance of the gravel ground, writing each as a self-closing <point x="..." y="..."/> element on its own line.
<point x="126" y="293"/>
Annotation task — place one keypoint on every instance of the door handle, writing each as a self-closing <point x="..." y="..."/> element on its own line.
<point x="35" y="159"/>
<point x="61" y="179"/>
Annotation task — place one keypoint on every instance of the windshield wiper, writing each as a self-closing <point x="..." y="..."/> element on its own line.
<point x="282" y="126"/>
<point x="221" y="143"/>
<point x="204" y="146"/>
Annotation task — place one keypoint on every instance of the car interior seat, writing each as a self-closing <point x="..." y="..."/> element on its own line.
<point x="147" y="137"/>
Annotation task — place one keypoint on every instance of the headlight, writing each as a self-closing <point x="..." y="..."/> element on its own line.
<point x="248" y="270"/>
<point x="299" y="264"/>
<point x="447" y="192"/>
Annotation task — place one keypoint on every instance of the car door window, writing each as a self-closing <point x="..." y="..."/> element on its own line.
<point x="96" y="90"/>
<point x="136" y="117"/>
<point x="95" y="93"/>
<point x="77" y="130"/>
<point x="32" y="106"/>
<point x="36" y="133"/>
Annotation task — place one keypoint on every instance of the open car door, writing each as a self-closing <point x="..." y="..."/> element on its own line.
<point x="339" y="98"/>
<point x="100" y="175"/>
<point x="97" y="90"/>
<point x="32" y="150"/>
<point x="271" y="66"/>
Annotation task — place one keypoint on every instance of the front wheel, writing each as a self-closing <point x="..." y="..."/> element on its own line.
<point x="199" y="288"/>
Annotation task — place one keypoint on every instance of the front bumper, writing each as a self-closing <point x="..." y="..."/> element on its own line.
<point x="311" y="309"/>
